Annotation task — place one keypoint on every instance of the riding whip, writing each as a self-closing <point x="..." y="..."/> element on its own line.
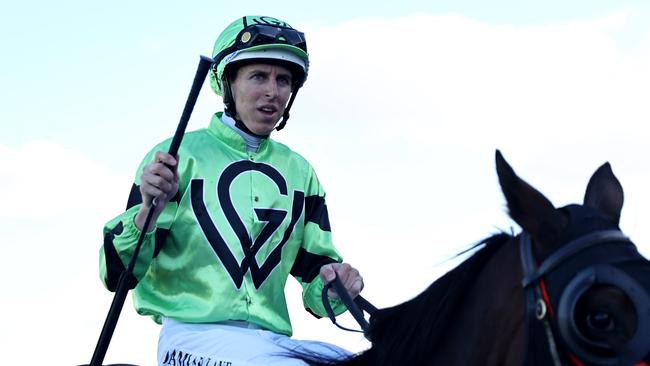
<point x="127" y="275"/>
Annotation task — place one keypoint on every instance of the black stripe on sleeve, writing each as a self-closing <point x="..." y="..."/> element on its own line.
<point x="316" y="212"/>
<point x="307" y="265"/>
<point x="114" y="265"/>
<point x="135" y="197"/>
<point x="312" y="313"/>
<point x="161" y="236"/>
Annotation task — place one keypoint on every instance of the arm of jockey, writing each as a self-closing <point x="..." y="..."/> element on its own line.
<point x="121" y="233"/>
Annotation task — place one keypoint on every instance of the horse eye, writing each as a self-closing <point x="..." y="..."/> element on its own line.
<point x="601" y="321"/>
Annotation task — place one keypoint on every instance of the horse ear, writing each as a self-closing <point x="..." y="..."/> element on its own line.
<point x="527" y="206"/>
<point x="605" y="193"/>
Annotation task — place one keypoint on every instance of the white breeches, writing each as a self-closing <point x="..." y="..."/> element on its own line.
<point x="233" y="344"/>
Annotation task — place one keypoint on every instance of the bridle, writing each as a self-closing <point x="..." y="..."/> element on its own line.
<point x="555" y="326"/>
<point x="552" y="325"/>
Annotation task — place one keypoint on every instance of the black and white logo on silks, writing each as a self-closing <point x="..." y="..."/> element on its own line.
<point x="272" y="217"/>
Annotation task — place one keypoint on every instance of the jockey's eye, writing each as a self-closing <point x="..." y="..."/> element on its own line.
<point x="601" y="321"/>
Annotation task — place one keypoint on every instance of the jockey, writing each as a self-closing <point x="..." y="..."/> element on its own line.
<point x="236" y="213"/>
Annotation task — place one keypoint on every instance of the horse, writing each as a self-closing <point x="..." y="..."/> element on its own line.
<point x="570" y="289"/>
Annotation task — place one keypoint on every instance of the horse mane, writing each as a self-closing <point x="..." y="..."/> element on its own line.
<point x="398" y="333"/>
<point x="404" y="333"/>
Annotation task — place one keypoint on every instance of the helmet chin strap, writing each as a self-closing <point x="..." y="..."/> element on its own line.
<point x="229" y="107"/>
<point x="285" y="115"/>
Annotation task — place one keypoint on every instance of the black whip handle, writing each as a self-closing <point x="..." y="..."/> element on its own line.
<point x="127" y="278"/>
<point x="201" y="72"/>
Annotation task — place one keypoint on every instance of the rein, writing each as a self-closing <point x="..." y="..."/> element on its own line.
<point x="553" y="336"/>
<point x="356" y="306"/>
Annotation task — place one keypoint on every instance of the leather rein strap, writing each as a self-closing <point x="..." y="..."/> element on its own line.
<point x="537" y="302"/>
<point x="356" y="306"/>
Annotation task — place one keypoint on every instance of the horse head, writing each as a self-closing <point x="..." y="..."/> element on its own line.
<point x="571" y="289"/>
<point x="584" y="280"/>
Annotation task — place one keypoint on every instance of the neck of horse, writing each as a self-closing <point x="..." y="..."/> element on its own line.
<point x="473" y="315"/>
<point x="491" y="317"/>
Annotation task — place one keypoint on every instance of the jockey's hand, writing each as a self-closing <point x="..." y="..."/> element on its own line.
<point x="348" y="275"/>
<point x="159" y="181"/>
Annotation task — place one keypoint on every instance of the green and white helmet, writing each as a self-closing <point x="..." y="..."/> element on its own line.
<point x="258" y="38"/>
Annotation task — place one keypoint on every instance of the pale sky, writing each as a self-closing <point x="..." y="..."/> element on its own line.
<point x="400" y="116"/>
